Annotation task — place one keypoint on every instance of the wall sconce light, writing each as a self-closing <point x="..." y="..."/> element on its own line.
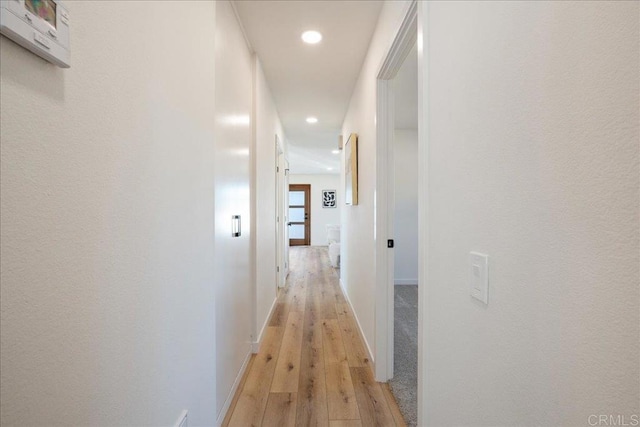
<point x="236" y="226"/>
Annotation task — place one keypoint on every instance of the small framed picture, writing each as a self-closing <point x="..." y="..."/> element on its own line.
<point x="329" y="198"/>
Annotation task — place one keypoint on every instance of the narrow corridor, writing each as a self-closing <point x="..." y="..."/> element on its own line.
<point x="312" y="368"/>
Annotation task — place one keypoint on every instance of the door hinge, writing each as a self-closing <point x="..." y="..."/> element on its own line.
<point x="390" y="243"/>
<point x="278" y="268"/>
<point x="277" y="168"/>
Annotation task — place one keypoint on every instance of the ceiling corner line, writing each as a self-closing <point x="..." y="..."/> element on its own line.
<point x="242" y="29"/>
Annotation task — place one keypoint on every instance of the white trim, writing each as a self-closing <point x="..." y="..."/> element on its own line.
<point x="280" y="217"/>
<point x="244" y="32"/>
<point x="364" y="338"/>
<point x="234" y="388"/>
<point x="284" y="204"/>
<point x="402" y="44"/>
<point x="253" y="204"/>
<point x="183" y="416"/>
<point x="404" y="282"/>
<point x="384" y="230"/>
<point x="255" y="345"/>
<point x="423" y="204"/>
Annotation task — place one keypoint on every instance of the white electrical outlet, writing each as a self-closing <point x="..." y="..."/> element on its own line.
<point x="479" y="276"/>
<point x="182" y="420"/>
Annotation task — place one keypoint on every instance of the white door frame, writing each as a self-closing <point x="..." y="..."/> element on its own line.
<point x="282" y="230"/>
<point x="412" y="29"/>
<point x="285" y="235"/>
<point x="279" y="217"/>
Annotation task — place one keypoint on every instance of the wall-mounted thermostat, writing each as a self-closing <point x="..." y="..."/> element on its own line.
<point x="42" y="26"/>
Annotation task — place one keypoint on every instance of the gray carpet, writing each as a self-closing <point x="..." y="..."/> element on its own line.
<point x="405" y="365"/>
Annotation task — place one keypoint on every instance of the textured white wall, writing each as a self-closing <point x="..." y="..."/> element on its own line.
<point x="321" y="217"/>
<point x="233" y="262"/>
<point x="267" y="126"/>
<point x="358" y="245"/>
<point x="533" y="146"/>
<point x="405" y="227"/>
<point x="107" y="298"/>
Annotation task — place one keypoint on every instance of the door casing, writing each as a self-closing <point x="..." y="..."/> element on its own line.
<point x="413" y="29"/>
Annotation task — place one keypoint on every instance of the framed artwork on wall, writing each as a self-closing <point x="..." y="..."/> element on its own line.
<point x="329" y="199"/>
<point x="351" y="170"/>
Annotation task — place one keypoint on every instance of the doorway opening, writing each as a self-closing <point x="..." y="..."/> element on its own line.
<point x="299" y="214"/>
<point x="401" y="210"/>
<point x="404" y="212"/>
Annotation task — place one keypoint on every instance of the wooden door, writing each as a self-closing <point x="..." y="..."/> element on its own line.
<point x="299" y="214"/>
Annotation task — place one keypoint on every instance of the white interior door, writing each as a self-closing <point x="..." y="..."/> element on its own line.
<point x="285" y="208"/>
<point x="282" y="184"/>
<point x="279" y="217"/>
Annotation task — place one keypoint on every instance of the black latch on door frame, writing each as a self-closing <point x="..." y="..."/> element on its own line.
<point x="236" y="226"/>
<point x="390" y="243"/>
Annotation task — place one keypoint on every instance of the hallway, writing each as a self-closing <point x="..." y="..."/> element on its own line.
<point x="312" y="367"/>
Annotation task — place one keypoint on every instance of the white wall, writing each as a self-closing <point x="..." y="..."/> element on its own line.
<point x="234" y="260"/>
<point x="533" y="159"/>
<point x="405" y="228"/>
<point x="107" y="298"/>
<point x="321" y="217"/>
<point x="267" y="126"/>
<point x="358" y="244"/>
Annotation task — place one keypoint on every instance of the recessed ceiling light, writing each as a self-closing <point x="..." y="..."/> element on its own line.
<point x="311" y="37"/>
<point x="312" y="120"/>
<point x="329" y="169"/>
<point x="336" y="151"/>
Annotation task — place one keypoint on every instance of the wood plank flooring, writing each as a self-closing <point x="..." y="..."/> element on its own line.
<point x="312" y="368"/>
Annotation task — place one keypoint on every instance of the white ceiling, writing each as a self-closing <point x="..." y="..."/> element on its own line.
<point x="310" y="80"/>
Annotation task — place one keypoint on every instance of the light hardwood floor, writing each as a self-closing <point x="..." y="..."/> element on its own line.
<point x="312" y="368"/>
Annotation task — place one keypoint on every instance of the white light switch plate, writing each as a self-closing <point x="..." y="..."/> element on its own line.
<point x="479" y="276"/>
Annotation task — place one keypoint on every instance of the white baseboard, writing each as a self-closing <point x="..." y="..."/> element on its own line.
<point x="364" y="338"/>
<point x="405" y="281"/>
<point x="255" y="345"/>
<point x="234" y="388"/>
